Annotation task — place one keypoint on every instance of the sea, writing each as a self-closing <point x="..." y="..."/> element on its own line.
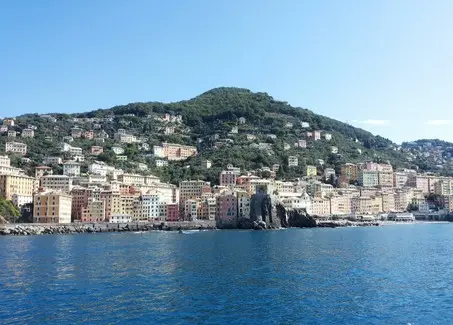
<point x="400" y="274"/>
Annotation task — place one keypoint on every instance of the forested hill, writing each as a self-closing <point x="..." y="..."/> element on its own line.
<point x="267" y="131"/>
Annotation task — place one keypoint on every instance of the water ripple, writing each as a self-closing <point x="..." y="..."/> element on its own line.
<point x="389" y="275"/>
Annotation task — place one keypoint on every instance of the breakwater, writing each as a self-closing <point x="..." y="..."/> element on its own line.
<point x="75" y="228"/>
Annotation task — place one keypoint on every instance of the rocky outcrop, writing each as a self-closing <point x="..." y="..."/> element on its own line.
<point x="261" y="209"/>
<point x="298" y="218"/>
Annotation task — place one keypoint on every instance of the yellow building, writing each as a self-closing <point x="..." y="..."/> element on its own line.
<point x="320" y="207"/>
<point x="340" y="205"/>
<point x="94" y="211"/>
<point x="311" y="171"/>
<point x="52" y="207"/>
<point x="349" y="171"/>
<point x="385" y="179"/>
<point x="17" y="184"/>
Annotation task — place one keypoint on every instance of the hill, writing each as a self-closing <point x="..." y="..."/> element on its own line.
<point x="227" y="125"/>
<point x="431" y="154"/>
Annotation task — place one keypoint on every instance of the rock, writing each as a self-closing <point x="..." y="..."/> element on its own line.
<point x="244" y="223"/>
<point x="5" y="231"/>
<point x="295" y="218"/>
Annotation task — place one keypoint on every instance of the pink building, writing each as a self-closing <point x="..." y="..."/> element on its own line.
<point x="96" y="150"/>
<point x="80" y="198"/>
<point x="227" y="209"/>
<point x="172" y="212"/>
<point x="227" y="178"/>
<point x="88" y="134"/>
<point x="316" y="135"/>
<point x="302" y="143"/>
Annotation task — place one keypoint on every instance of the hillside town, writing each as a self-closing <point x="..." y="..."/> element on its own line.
<point x="106" y="194"/>
<point x="67" y="188"/>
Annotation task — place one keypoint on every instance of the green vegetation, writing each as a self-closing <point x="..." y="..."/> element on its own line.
<point x="8" y="211"/>
<point x="206" y="123"/>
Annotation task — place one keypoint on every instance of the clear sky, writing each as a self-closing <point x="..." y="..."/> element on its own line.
<point x="385" y="65"/>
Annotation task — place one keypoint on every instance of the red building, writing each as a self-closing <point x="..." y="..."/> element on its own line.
<point x="172" y="212"/>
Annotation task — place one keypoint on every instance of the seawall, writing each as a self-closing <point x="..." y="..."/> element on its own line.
<point x="73" y="228"/>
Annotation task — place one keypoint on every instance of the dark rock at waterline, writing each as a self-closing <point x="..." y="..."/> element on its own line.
<point x="295" y="217"/>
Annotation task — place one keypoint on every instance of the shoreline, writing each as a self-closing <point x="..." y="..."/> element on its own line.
<point x="80" y="228"/>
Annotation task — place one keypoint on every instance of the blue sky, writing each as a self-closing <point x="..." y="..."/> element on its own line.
<point x="386" y="66"/>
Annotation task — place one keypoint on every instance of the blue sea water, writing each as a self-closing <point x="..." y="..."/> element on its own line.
<point x="382" y="275"/>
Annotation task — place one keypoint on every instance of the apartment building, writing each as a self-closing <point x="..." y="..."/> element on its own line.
<point x="228" y="178"/>
<point x="368" y="178"/>
<point x="62" y="183"/>
<point x="41" y="171"/>
<point x="340" y="205"/>
<point x="76" y="133"/>
<point x="112" y="201"/>
<point x="400" y="179"/>
<point x="134" y="179"/>
<point x="172" y="212"/>
<point x="125" y="138"/>
<point x="316" y="135"/>
<point x="28" y="133"/>
<point x="191" y="210"/>
<point x="227" y="209"/>
<point x="161" y="163"/>
<point x="52" y="161"/>
<point x="361" y="205"/>
<point x="208" y="207"/>
<point x="5" y="161"/>
<point x="192" y="190"/>
<point x="174" y="151"/>
<point x="94" y="211"/>
<point x="52" y="207"/>
<point x="311" y="171"/>
<point x="147" y="207"/>
<point x="293" y="161"/>
<point x="88" y="135"/>
<point x="385" y="178"/>
<point x="320" y="207"/>
<point x="71" y="168"/>
<point x="350" y="171"/>
<point x="16" y="147"/>
<point x="11" y="184"/>
<point x="20" y="200"/>
<point x="444" y="187"/>
<point x="96" y="150"/>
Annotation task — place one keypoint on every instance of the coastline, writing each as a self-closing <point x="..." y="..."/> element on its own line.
<point x="80" y="228"/>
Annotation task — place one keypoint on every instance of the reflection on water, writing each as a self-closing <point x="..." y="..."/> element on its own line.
<point x="388" y="275"/>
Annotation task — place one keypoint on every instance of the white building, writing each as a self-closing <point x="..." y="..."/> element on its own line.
<point x="293" y="161"/>
<point x="159" y="151"/>
<point x="19" y="200"/>
<point x="52" y="161"/>
<point x="120" y="218"/>
<point x="142" y="166"/>
<point x="118" y="150"/>
<point x="147" y="208"/>
<point x="161" y="163"/>
<point x="5" y="161"/>
<point x="56" y="182"/>
<point x="28" y="133"/>
<point x="71" y="168"/>
<point x="121" y="158"/>
<point x="16" y="147"/>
